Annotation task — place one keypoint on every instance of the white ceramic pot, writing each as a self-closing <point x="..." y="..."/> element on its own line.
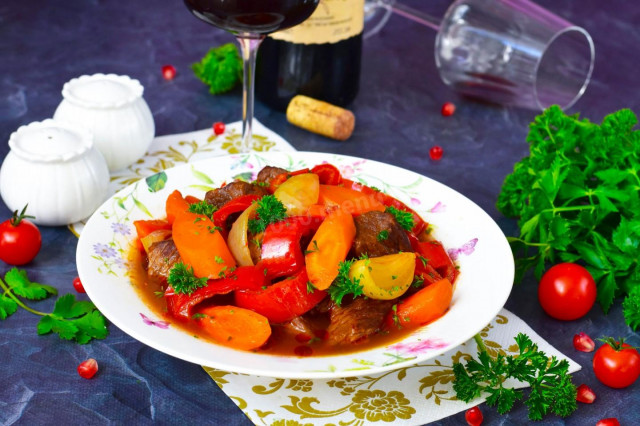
<point x="112" y="108"/>
<point x="56" y="169"/>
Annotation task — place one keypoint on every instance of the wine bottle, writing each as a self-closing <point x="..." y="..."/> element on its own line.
<point x="319" y="58"/>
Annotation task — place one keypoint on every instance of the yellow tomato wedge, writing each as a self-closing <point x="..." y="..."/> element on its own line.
<point x="298" y="193"/>
<point x="385" y="277"/>
<point x="238" y="240"/>
<point x="328" y="247"/>
<point x="201" y="245"/>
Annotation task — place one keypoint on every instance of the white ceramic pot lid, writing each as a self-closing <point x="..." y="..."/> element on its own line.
<point x="50" y="141"/>
<point x="102" y="91"/>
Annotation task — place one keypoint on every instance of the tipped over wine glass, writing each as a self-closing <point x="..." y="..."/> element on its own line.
<point x="510" y="52"/>
<point x="251" y="21"/>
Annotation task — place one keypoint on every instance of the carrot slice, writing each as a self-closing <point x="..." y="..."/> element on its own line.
<point x="145" y="227"/>
<point x="175" y="205"/>
<point x="190" y="199"/>
<point x="350" y="200"/>
<point x="201" y="245"/>
<point x="328" y="247"/>
<point x="234" y="327"/>
<point x="424" y="306"/>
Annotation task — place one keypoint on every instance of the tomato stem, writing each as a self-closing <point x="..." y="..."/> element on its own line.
<point x="7" y="291"/>
<point x="17" y="218"/>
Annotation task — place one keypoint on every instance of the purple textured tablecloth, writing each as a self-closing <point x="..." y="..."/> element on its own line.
<point x="44" y="43"/>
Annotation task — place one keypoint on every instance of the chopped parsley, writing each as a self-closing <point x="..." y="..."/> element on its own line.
<point x="383" y="235"/>
<point x="183" y="280"/>
<point x="203" y="208"/>
<point x="218" y="259"/>
<point x="269" y="210"/>
<point x="310" y="287"/>
<point x="404" y="219"/>
<point x="343" y="284"/>
<point x="314" y="249"/>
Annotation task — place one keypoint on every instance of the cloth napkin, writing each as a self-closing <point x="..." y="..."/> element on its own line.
<point x="413" y="395"/>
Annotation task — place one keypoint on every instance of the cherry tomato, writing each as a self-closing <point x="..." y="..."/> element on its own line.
<point x="616" y="364"/>
<point x="20" y="240"/>
<point x="567" y="291"/>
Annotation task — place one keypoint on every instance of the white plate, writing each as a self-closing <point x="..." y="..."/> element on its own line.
<point x="470" y="235"/>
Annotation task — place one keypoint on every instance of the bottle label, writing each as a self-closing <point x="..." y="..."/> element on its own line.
<point x="332" y="21"/>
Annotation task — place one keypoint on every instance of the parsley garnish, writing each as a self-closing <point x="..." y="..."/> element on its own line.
<point x="218" y="259"/>
<point x="269" y="210"/>
<point x="220" y="69"/>
<point x="424" y="260"/>
<point x="70" y="319"/>
<point x="203" y="208"/>
<point x="310" y="287"/>
<point x="551" y="386"/>
<point x="314" y="249"/>
<point x="383" y="235"/>
<point x="576" y="198"/>
<point x="183" y="280"/>
<point x="404" y="219"/>
<point x="343" y="285"/>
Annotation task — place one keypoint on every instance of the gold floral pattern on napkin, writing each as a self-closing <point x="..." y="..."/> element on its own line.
<point x="417" y="394"/>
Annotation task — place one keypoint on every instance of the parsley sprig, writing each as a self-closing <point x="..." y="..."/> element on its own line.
<point x="70" y="319"/>
<point x="551" y="386"/>
<point x="204" y="208"/>
<point x="404" y="219"/>
<point x="343" y="284"/>
<point x="577" y="198"/>
<point x="220" y="69"/>
<point x="269" y="210"/>
<point x="183" y="280"/>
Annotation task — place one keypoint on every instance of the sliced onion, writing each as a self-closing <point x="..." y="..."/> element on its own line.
<point x="238" y="240"/>
<point x="154" y="237"/>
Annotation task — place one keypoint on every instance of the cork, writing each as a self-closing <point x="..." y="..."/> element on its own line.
<point x="321" y="117"/>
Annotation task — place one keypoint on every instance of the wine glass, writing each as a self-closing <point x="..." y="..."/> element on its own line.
<point x="250" y="21"/>
<point x="511" y="52"/>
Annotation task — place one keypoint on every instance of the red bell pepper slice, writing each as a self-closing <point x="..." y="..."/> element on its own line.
<point x="282" y="301"/>
<point x="328" y="174"/>
<point x="281" y="252"/>
<point x="236" y="205"/>
<point x="180" y="305"/>
<point x="436" y="257"/>
<point x="419" y="225"/>
<point x="282" y="177"/>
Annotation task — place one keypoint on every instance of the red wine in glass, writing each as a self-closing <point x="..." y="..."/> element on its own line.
<point x="250" y="21"/>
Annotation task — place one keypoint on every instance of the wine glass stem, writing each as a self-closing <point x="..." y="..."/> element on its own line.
<point x="249" y="47"/>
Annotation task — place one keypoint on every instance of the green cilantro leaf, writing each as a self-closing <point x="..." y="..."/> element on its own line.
<point x="183" y="280"/>
<point x="343" y="284"/>
<point x="203" y="208"/>
<point x="404" y="219"/>
<point x="19" y="284"/>
<point x="269" y="210"/>
<point x="7" y="306"/>
<point x="220" y="69"/>
<point x="77" y="320"/>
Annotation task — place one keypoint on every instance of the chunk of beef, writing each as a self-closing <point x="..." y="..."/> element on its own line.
<point x="221" y="196"/>
<point x="371" y="228"/>
<point x="268" y="173"/>
<point x="162" y="256"/>
<point x="354" y="322"/>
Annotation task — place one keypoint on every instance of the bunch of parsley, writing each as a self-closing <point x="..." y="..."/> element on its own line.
<point x="220" y="69"/>
<point x="577" y="199"/>
<point x="70" y="319"/>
